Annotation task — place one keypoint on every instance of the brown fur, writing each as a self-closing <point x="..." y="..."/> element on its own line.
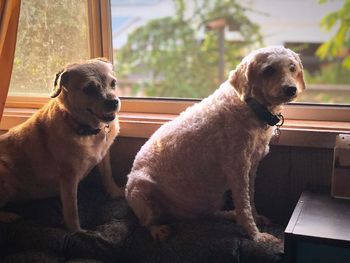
<point x="46" y="155"/>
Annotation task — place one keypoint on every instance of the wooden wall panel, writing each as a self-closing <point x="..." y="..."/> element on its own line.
<point x="272" y="184"/>
<point x="285" y="173"/>
<point x="311" y="168"/>
<point x="123" y="152"/>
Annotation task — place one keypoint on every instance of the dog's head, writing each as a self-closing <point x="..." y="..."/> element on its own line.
<point x="88" y="91"/>
<point x="271" y="75"/>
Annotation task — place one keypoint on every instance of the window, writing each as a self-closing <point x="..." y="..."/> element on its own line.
<point x="176" y="48"/>
<point x="50" y="34"/>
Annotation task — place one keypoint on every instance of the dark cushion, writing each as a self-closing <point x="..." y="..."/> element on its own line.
<point x="113" y="235"/>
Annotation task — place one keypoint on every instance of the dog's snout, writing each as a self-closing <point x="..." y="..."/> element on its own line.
<point x="112" y="104"/>
<point x="289" y="90"/>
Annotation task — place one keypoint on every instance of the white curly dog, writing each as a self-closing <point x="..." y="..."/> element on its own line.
<point x="185" y="167"/>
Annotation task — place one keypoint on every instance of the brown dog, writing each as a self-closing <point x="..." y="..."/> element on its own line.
<point x="58" y="146"/>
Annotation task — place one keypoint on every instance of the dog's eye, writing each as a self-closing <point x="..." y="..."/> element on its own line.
<point x="91" y="90"/>
<point x="113" y="83"/>
<point x="292" y="68"/>
<point x="269" y="71"/>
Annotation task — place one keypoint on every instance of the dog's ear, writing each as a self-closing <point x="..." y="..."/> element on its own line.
<point x="103" y="59"/>
<point x="300" y="76"/>
<point x="301" y="80"/>
<point x="61" y="79"/>
<point x="239" y="79"/>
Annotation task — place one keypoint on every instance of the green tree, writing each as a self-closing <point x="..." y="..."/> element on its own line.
<point x="339" y="44"/>
<point x="175" y="60"/>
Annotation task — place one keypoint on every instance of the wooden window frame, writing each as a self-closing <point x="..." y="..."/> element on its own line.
<point x="305" y="125"/>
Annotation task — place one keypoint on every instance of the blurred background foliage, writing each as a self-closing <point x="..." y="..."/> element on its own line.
<point x="167" y="55"/>
<point x="174" y="60"/>
<point x="338" y="46"/>
<point x="176" y="56"/>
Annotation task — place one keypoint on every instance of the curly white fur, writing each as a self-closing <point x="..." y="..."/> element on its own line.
<point x="185" y="167"/>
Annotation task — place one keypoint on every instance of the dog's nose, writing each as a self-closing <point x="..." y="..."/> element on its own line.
<point x="289" y="91"/>
<point x="112" y="104"/>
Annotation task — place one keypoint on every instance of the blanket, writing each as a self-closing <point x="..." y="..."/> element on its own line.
<point x="112" y="234"/>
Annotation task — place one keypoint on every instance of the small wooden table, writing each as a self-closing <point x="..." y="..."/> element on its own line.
<point x="318" y="230"/>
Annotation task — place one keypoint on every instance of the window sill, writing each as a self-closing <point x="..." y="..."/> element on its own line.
<point x="320" y="134"/>
<point x="305" y="133"/>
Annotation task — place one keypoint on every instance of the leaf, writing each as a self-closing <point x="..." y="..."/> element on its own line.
<point x="339" y="38"/>
<point x="329" y="20"/>
<point x="346" y="62"/>
<point x="167" y="48"/>
<point x="324" y="50"/>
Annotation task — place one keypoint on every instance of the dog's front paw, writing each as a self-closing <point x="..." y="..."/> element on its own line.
<point x="87" y="232"/>
<point x="73" y="227"/>
<point x="266" y="238"/>
<point x="263" y="221"/>
<point x="160" y="232"/>
<point x="117" y="192"/>
<point x="8" y="217"/>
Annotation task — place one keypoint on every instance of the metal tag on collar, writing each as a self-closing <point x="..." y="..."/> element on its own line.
<point x="277" y="131"/>
<point x="107" y="129"/>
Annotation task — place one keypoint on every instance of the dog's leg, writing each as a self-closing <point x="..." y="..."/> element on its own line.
<point x="107" y="178"/>
<point x="5" y="216"/>
<point x="140" y="195"/>
<point x="241" y="198"/>
<point x="68" y="191"/>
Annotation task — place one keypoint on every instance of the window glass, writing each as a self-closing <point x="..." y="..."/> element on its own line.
<point x="178" y="48"/>
<point x="50" y="34"/>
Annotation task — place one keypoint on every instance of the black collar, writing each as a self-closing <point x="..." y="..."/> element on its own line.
<point x="86" y="130"/>
<point x="264" y="114"/>
<point x="79" y="128"/>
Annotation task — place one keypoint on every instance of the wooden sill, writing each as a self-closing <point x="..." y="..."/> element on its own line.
<point x="320" y="134"/>
<point x="305" y="133"/>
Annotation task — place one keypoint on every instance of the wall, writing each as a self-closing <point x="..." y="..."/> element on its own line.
<point x="285" y="173"/>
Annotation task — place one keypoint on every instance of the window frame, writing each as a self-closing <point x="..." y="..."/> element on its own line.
<point x="99" y="12"/>
<point x="155" y="111"/>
